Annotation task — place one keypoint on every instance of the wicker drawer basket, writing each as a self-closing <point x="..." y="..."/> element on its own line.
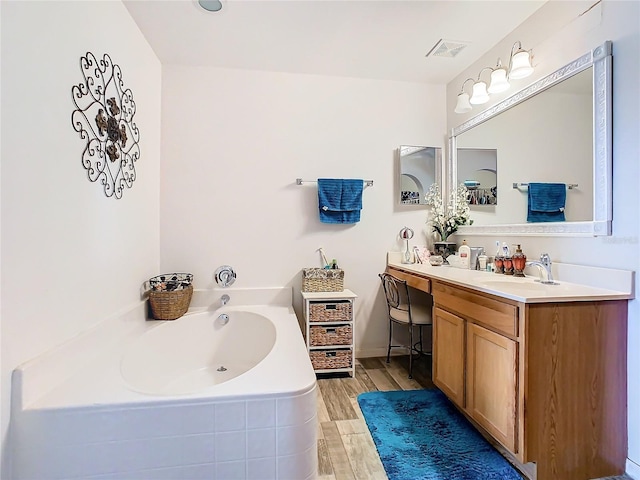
<point x="322" y="280"/>
<point x="331" y="359"/>
<point x="330" y="312"/>
<point x="320" y="336"/>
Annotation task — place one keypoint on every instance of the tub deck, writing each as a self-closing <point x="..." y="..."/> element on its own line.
<point x="260" y="424"/>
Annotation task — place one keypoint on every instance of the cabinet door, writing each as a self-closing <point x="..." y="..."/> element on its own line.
<point x="448" y="354"/>
<point x="491" y="383"/>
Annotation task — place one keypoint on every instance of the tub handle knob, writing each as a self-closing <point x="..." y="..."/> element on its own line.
<point x="225" y="276"/>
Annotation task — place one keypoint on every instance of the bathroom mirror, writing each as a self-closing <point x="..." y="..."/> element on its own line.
<point x="478" y="170"/>
<point x="557" y="130"/>
<point x="418" y="169"/>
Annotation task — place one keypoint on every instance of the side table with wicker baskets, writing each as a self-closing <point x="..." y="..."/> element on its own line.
<point x="329" y="326"/>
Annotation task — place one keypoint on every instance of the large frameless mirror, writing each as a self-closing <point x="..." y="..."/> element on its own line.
<point x="556" y="131"/>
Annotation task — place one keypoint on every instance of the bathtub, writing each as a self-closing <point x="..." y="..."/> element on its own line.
<point x="197" y="397"/>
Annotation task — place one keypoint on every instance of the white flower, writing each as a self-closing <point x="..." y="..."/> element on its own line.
<point x="456" y="214"/>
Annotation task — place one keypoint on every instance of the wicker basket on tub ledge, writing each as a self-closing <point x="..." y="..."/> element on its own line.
<point x="170" y="295"/>
<point x="322" y="280"/>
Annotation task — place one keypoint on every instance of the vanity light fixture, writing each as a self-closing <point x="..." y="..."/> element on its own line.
<point x="520" y="62"/>
<point x="519" y="67"/>
<point x="463" y="105"/>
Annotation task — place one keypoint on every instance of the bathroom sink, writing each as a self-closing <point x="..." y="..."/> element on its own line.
<point x="523" y="286"/>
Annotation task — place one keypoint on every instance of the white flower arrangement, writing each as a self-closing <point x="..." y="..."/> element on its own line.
<point x="446" y="221"/>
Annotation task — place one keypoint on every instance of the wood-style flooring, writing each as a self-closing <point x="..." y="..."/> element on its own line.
<point x="345" y="447"/>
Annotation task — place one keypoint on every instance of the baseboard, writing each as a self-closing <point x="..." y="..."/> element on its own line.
<point x="379" y="352"/>
<point x="632" y="469"/>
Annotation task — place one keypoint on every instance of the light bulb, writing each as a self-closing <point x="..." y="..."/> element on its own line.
<point x="521" y="65"/>
<point x="499" y="82"/>
<point x="480" y="94"/>
<point x="463" y="105"/>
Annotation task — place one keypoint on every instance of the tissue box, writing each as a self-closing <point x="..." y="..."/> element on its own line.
<point x="322" y="280"/>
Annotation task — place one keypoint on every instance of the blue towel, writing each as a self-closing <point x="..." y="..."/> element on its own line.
<point x="546" y="202"/>
<point x="340" y="200"/>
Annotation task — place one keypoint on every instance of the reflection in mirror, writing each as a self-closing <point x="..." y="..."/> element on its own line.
<point x="417" y="172"/>
<point x="557" y="130"/>
<point x="478" y="170"/>
<point x="547" y="139"/>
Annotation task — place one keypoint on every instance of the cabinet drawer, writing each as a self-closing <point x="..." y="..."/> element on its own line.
<point x="338" y="335"/>
<point x="331" y="359"/>
<point x="419" y="283"/>
<point x="487" y="311"/>
<point x="340" y="311"/>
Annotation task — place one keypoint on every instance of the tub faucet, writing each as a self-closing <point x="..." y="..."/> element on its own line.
<point x="544" y="264"/>
<point x="225" y="276"/>
<point x="224" y="299"/>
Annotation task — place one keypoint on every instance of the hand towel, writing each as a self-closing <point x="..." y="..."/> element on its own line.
<point x="546" y="202"/>
<point x="340" y="200"/>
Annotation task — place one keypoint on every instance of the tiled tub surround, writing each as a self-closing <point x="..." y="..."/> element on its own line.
<point x="75" y="416"/>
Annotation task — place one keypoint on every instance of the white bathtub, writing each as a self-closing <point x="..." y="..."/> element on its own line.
<point x="134" y="400"/>
<point x="203" y="350"/>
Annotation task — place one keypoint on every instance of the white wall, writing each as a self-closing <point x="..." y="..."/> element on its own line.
<point x="70" y="256"/>
<point x="558" y="35"/>
<point x="233" y="143"/>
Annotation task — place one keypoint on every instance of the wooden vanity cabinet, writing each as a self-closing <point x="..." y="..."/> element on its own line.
<point x="546" y="380"/>
<point x="475" y="361"/>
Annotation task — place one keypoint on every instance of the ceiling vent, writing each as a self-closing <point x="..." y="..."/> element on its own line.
<point x="446" y="48"/>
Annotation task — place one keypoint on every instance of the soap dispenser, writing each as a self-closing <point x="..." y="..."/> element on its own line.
<point x="519" y="262"/>
<point x="465" y="255"/>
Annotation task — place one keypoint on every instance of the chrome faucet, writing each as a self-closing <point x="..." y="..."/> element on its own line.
<point x="544" y="264"/>
<point x="225" y="299"/>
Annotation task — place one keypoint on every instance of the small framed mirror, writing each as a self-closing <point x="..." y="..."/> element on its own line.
<point x="419" y="168"/>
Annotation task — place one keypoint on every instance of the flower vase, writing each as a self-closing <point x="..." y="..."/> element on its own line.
<point x="444" y="248"/>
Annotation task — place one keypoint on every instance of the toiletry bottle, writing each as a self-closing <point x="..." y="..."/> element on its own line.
<point x="519" y="262"/>
<point x="498" y="260"/>
<point x="465" y="254"/>
<point x="482" y="261"/>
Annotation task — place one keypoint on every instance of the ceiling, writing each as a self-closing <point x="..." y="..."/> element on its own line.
<point x="377" y="39"/>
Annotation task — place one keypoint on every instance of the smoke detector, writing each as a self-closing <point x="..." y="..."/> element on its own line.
<point x="211" y="5"/>
<point x="446" y="48"/>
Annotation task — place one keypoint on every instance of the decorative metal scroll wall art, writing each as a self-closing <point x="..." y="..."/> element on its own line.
<point x="104" y="118"/>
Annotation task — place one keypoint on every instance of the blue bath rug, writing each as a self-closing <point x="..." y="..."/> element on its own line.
<point x="419" y="434"/>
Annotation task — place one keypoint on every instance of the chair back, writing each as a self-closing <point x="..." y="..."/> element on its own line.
<point x="396" y="292"/>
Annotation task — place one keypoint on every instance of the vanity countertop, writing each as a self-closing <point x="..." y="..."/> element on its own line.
<point x="525" y="290"/>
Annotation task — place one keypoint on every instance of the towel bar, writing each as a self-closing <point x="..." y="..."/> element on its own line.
<point x="299" y="181"/>
<point x="570" y="186"/>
